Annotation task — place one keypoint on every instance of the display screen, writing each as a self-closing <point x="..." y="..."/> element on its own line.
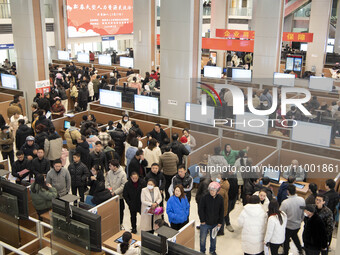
<point x="104" y="60"/>
<point x="147" y="104"/>
<point x="110" y="98"/>
<point x="284" y="79"/>
<point x="330" y="49"/>
<point x="99" y="17"/>
<point x="271" y="173"/>
<point x="330" y="41"/>
<point x="297" y="64"/>
<point x="289" y="63"/>
<point x="63" y="55"/>
<point x="193" y="113"/>
<point x="252" y="123"/>
<point x="83" y="57"/>
<point x="321" y="83"/>
<point x="67" y="124"/>
<point x="303" y="46"/>
<point x="9" y="81"/>
<point x="311" y="133"/>
<point x="126" y="62"/>
<point x="242" y="75"/>
<point x="212" y="71"/>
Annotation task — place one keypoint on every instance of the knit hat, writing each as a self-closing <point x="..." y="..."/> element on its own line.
<point x="184" y="139"/>
<point x="214" y="186"/>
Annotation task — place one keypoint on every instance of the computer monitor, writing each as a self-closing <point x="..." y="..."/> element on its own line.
<point x="303" y="47"/>
<point x="177" y="249"/>
<point x="20" y="192"/>
<point x="110" y="98"/>
<point x="67" y="124"/>
<point x="284" y="79"/>
<point x="104" y="60"/>
<point x="321" y="83"/>
<point x="9" y="81"/>
<point x="63" y="55"/>
<point x="146" y="104"/>
<point x="241" y="75"/>
<point x="85" y="217"/>
<point x="212" y="72"/>
<point x="330" y="41"/>
<point x="83" y="57"/>
<point x="193" y="113"/>
<point x="312" y="133"/>
<point x="272" y="174"/>
<point x="330" y="49"/>
<point x="151" y="242"/>
<point x="126" y="62"/>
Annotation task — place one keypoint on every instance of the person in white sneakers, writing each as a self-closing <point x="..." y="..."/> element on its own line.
<point x="276" y="227"/>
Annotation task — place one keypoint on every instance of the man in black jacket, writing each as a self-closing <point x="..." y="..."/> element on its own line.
<point x="119" y="137"/>
<point x="131" y="193"/>
<point x="182" y="178"/>
<point x="178" y="148"/>
<point x="159" y="134"/>
<point x="21" y="134"/>
<point x="79" y="175"/>
<point x="21" y="164"/>
<point x="110" y="153"/>
<point x="314" y="235"/>
<point x="211" y="210"/>
<point x="157" y="176"/>
<point x="30" y="148"/>
<point x="97" y="157"/>
<point x="44" y="103"/>
<point x="83" y="149"/>
<point x="332" y="197"/>
<point x="43" y="121"/>
<point x="40" y="165"/>
<point x="138" y="163"/>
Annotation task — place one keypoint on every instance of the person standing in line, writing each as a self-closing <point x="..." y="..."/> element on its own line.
<point x="332" y="197"/>
<point x="40" y="165"/>
<point x="132" y="195"/>
<point x="314" y="234"/>
<point x="152" y="153"/>
<point x="276" y="227"/>
<point x="211" y="209"/>
<point x="182" y="178"/>
<point x="291" y="206"/>
<point x="83" y="96"/>
<point x="6" y="144"/>
<point x="79" y="175"/>
<point x="232" y="198"/>
<point x="21" y="164"/>
<point x="83" y="149"/>
<point x="202" y="188"/>
<point x="22" y="133"/>
<point x="252" y="220"/>
<point x="115" y="181"/>
<point x="72" y="134"/>
<point x="97" y="157"/>
<point x="53" y="145"/>
<point x="178" y="208"/>
<point x="59" y="178"/>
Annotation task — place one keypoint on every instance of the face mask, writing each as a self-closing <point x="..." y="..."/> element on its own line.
<point x="265" y="105"/>
<point x="306" y="215"/>
<point x="126" y="120"/>
<point x="218" y="180"/>
<point x="7" y="131"/>
<point x="150" y="187"/>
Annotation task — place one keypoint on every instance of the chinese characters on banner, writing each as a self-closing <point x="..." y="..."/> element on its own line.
<point x="297" y="37"/>
<point x="99" y="17"/>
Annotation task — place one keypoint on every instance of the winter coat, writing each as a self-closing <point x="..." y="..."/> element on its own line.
<point x="177" y="209"/>
<point x="42" y="198"/>
<point x="101" y="195"/>
<point x="179" y="149"/>
<point x="18" y="166"/>
<point x="72" y="134"/>
<point x="265" y="203"/>
<point x="186" y="182"/>
<point x="291" y="206"/>
<point x="79" y="174"/>
<point x="211" y="209"/>
<point x="98" y="159"/>
<point x="168" y="163"/>
<point x="40" y="166"/>
<point x="61" y="180"/>
<point x="159" y="178"/>
<point x="158" y="136"/>
<point x="21" y="135"/>
<point x="332" y="200"/>
<point x="53" y="145"/>
<point x="94" y="184"/>
<point x="224" y="193"/>
<point x="326" y="216"/>
<point x="137" y="166"/>
<point x="83" y="149"/>
<point x="29" y="150"/>
<point x="202" y="189"/>
<point x="119" y="137"/>
<point x="275" y="232"/>
<point x="132" y="194"/>
<point x="110" y="154"/>
<point x="83" y="95"/>
<point x="40" y="139"/>
<point x="146" y="223"/>
<point x="282" y="194"/>
<point x="152" y="156"/>
<point x="314" y="235"/>
<point x="6" y="141"/>
<point x="253" y="221"/>
<point x="45" y="122"/>
<point x="116" y="181"/>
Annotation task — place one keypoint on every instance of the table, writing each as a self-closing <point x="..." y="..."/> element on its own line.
<point x="300" y="192"/>
<point x="111" y="244"/>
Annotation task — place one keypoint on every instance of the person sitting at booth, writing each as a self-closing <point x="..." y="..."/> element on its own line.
<point x="125" y="247"/>
<point x="57" y="109"/>
<point x="283" y="190"/>
<point x="135" y="84"/>
<point x="42" y="194"/>
<point x="296" y="171"/>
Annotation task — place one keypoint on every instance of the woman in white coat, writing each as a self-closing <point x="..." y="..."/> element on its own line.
<point x="276" y="227"/>
<point x="264" y="201"/>
<point x="253" y="220"/>
<point x="150" y="197"/>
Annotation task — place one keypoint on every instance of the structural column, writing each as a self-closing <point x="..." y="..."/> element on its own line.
<point x="268" y="25"/>
<point x="219" y="20"/>
<point x="337" y="31"/>
<point x="29" y="36"/>
<point x="60" y="27"/>
<point x="144" y="35"/>
<point x="180" y="45"/>
<point x="319" y="26"/>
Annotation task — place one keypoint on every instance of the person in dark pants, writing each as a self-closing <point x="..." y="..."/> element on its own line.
<point x="79" y="175"/>
<point x="332" y="197"/>
<point x="314" y="235"/>
<point x="83" y="96"/>
<point x="211" y="215"/>
<point x="6" y="144"/>
<point x="21" y="164"/>
<point x="131" y="193"/>
<point x="40" y="165"/>
<point x="232" y="194"/>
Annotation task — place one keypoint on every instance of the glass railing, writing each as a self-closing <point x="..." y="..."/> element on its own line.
<point x="5" y="11"/>
<point x="245" y="12"/>
<point x="303" y="12"/>
<point x="206" y="10"/>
